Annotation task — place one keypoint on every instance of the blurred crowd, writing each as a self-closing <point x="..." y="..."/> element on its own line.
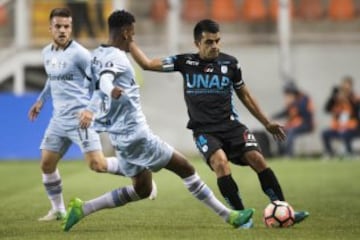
<point x="343" y="106"/>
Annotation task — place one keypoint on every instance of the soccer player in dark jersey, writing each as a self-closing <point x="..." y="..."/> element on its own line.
<point x="210" y="78"/>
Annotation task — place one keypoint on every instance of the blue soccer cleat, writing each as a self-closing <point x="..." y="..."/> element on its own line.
<point x="301" y="216"/>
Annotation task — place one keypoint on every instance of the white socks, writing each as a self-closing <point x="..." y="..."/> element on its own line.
<point x="53" y="187"/>
<point x="116" y="198"/>
<point x="202" y="192"/>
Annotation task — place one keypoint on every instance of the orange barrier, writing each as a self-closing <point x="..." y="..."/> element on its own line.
<point x="159" y="9"/>
<point x="3" y="15"/>
<point x="194" y="10"/>
<point x="310" y="9"/>
<point x="253" y="11"/>
<point x="224" y="10"/>
<point x="341" y="10"/>
<point x="274" y="8"/>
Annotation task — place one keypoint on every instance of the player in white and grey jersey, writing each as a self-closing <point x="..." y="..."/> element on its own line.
<point x="138" y="150"/>
<point x="122" y="116"/>
<point x="65" y="63"/>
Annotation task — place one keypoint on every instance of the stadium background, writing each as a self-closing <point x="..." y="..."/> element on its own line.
<point x="322" y="50"/>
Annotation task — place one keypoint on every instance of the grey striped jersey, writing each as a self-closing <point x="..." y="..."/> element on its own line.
<point x="65" y="69"/>
<point x="123" y="116"/>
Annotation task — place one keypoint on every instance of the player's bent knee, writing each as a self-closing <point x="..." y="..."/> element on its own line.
<point x="220" y="166"/>
<point x="255" y="160"/>
<point x="143" y="191"/>
<point x="48" y="166"/>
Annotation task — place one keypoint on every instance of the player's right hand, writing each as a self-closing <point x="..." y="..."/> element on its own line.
<point x="85" y="118"/>
<point x="277" y="131"/>
<point x="35" y="110"/>
<point x="117" y="92"/>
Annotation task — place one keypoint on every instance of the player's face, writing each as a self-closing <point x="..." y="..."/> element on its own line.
<point x="128" y="35"/>
<point x="60" y="28"/>
<point x="209" y="45"/>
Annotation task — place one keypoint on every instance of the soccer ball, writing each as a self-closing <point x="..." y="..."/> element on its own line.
<point x="278" y="214"/>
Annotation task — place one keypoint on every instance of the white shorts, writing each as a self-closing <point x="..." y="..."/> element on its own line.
<point x="58" y="138"/>
<point x="141" y="150"/>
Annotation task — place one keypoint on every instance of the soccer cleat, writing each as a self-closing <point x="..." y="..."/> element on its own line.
<point x="248" y="225"/>
<point x="52" y="215"/>
<point x="300" y="216"/>
<point x="240" y="218"/>
<point x="153" y="193"/>
<point x="74" y="214"/>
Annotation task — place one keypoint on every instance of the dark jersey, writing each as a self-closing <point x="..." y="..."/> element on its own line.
<point x="208" y="89"/>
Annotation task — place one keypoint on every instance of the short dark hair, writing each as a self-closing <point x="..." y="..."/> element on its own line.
<point x="119" y="19"/>
<point x="59" y="12"/>
<point x="290" y="87"/>
<point x="206" y="25"/>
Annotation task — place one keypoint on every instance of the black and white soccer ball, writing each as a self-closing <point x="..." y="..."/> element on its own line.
<point x="279" y="214"/>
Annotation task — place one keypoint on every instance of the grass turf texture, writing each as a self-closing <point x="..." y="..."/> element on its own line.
<point x="329" y="190"/>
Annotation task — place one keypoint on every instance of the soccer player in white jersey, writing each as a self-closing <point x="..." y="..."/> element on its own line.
<point x="138" y="150"/>
<point x="65" y="63"/>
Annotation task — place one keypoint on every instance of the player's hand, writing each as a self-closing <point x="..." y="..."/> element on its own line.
<point x="85" y="118"/>
<point x="277" y="131"/>
<point x="117" y="92"/>
<point x="35" y="110"/>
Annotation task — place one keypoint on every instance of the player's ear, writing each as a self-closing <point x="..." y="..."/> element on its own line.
<point x="197" y="43"/>
<point x="124" y="35"/>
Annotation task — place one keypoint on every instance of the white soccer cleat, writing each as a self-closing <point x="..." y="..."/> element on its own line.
<point x="153" y="193"/>
<point x="53" y="215"/>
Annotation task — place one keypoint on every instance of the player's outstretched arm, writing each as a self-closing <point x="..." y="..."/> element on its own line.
<point x="274" y="128"/>
<point x="144" y="62"/>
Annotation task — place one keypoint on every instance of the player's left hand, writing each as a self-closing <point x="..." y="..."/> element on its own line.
<point x="117" y="92"/>
<point x="85" y="118"/>
<point x="276" y="130"/>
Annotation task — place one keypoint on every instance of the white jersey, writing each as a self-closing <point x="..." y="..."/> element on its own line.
<point x="123" y="116"/>
<point x="65" y="69"/>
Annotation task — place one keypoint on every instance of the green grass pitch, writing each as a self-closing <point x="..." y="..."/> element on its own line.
<point x="328" y="190"/>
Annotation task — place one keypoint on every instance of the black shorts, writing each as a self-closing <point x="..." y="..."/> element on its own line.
<point x="235" y="143"/>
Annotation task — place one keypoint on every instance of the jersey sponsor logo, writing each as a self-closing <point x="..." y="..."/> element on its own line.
<point x="224" y="69"/>
<point x="206" y="81"/>
<point x="192" y="62"/>
<point x="209" y="68"/>
<point x="61" y="77"/>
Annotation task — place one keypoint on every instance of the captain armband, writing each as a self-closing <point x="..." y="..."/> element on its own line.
<point x="168" y="64"/>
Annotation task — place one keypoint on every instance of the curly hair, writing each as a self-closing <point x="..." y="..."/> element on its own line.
<point x="119" y="19"/>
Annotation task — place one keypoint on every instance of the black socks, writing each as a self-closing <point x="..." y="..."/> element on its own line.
<point x="230" y="192"/>
<point x="270" y="185"/>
